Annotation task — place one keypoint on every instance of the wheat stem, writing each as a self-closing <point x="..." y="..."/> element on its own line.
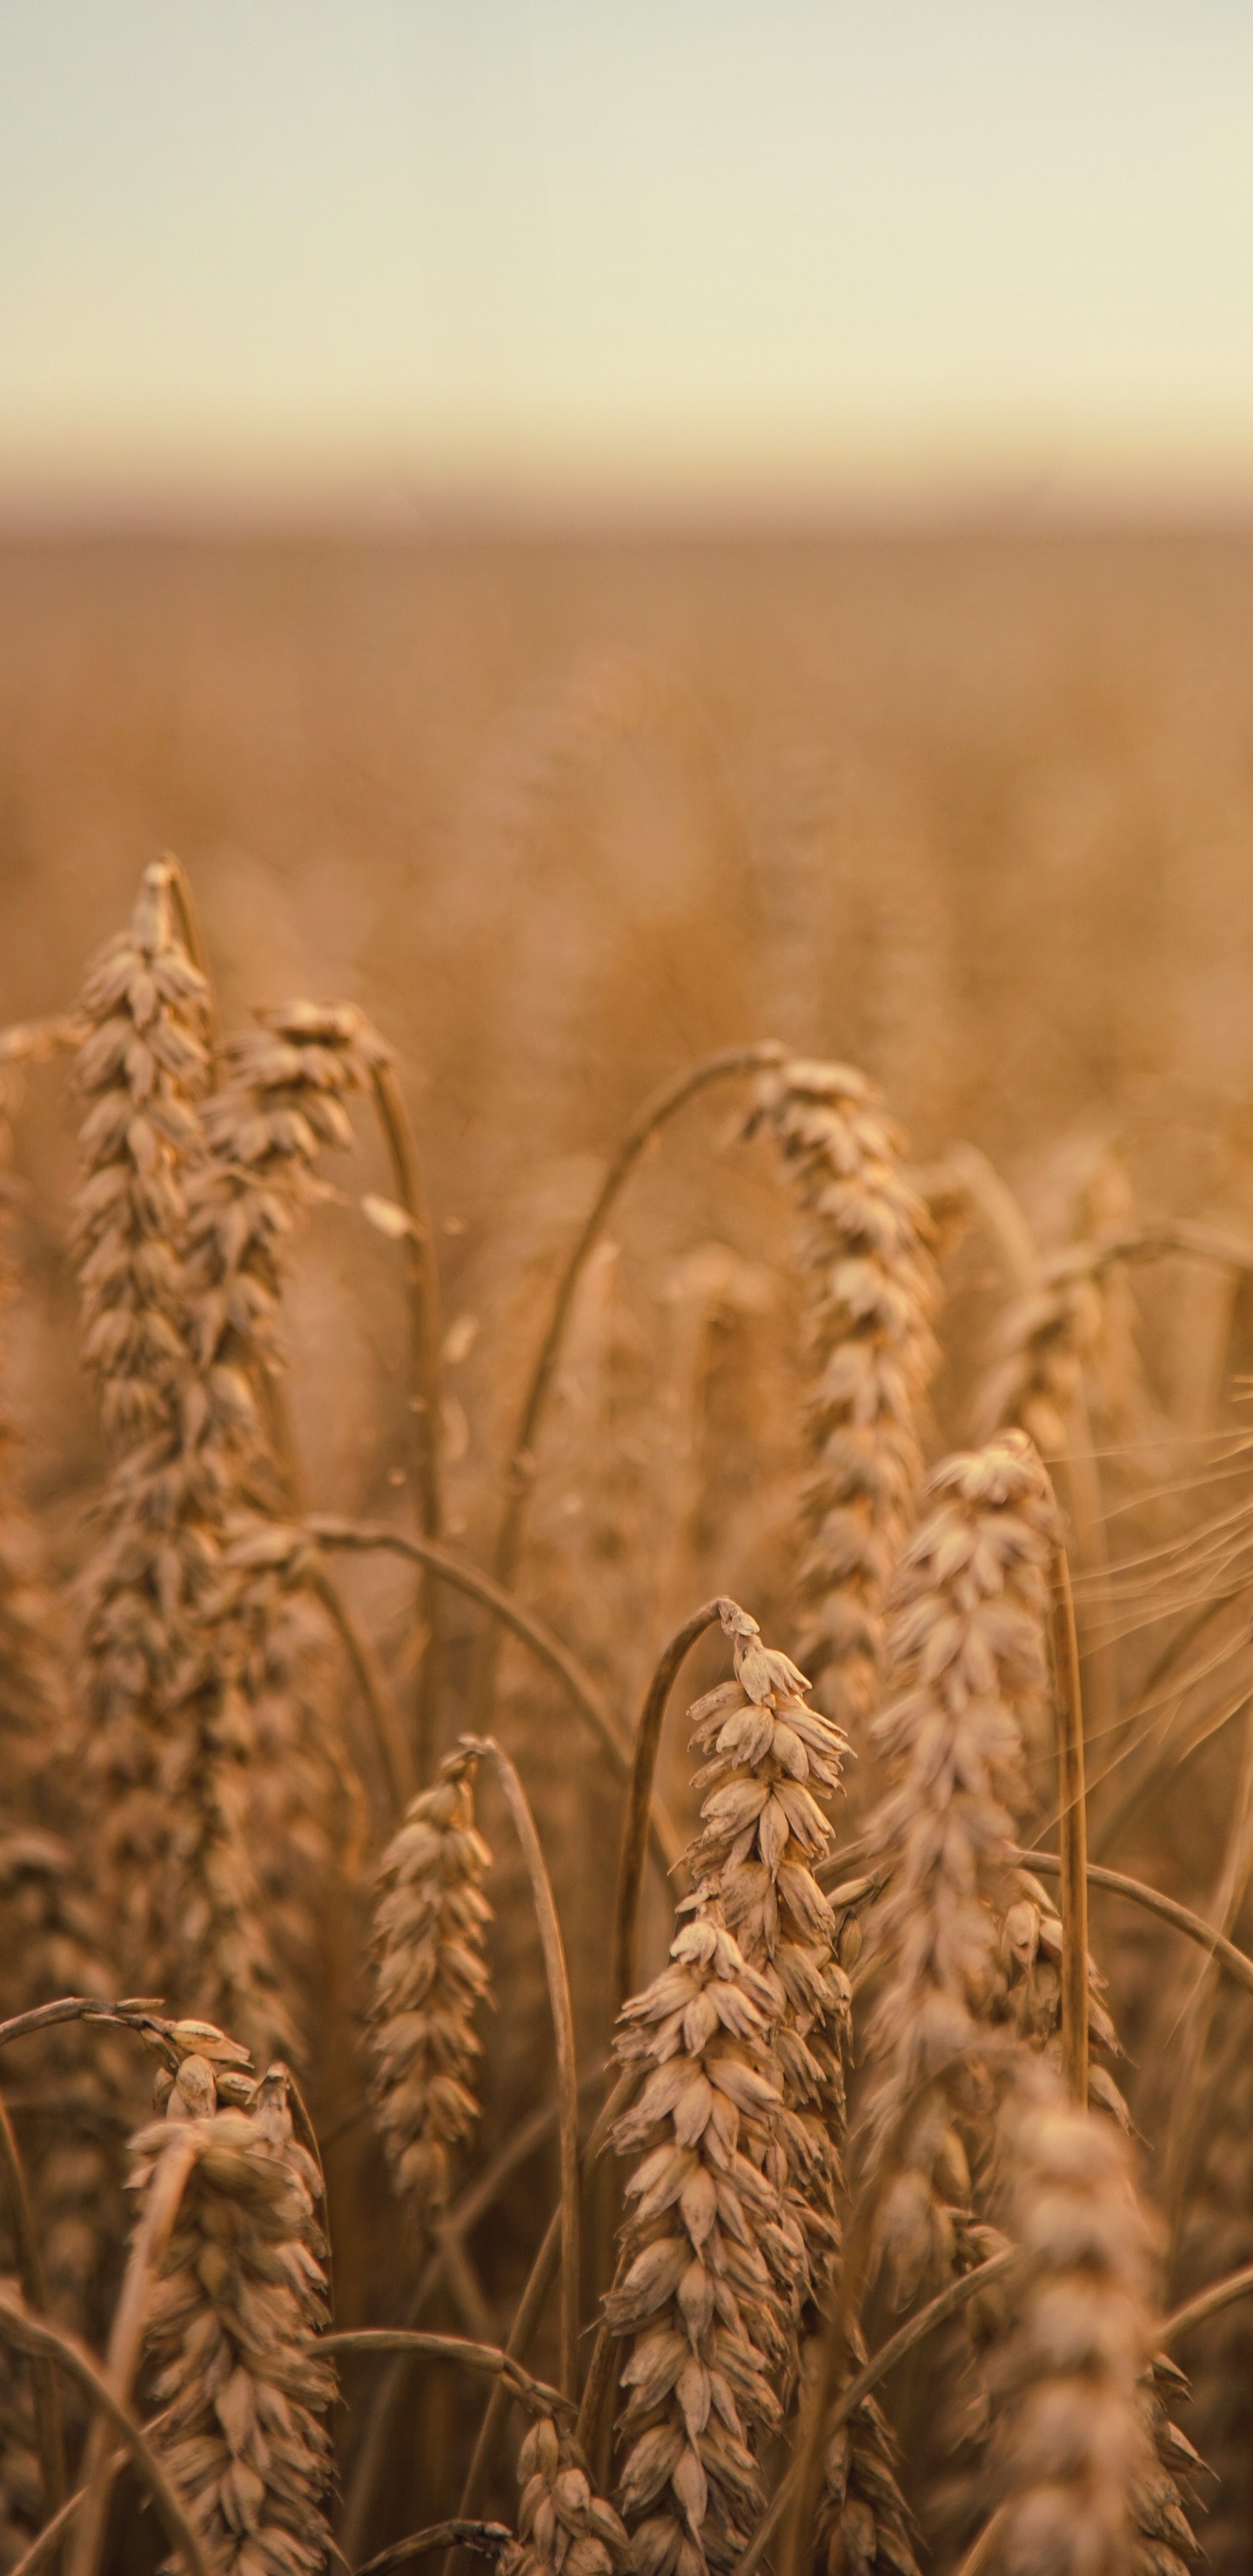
<point x="639" y="1798"/>
<point x="31" y="2275"/>
<point x="1207" y="2304"/>
<point x="563" y="2035"/>
<point x="1073" y="1834"/>
<point x="660" y="1106"/>
<point x="126" y="2336"/>
<point x="946" y="2304"/>
<point x="484" y="2357"/>
<point x="540" y="2280"/>
<point x="389" y="1734"/>
<point x="488" y="2540"/>
<point x="543" y="1642"/>
<point x="1236" y="1962"/>
<point x="35" y="2335"/>
<point x="424" y="1367"/>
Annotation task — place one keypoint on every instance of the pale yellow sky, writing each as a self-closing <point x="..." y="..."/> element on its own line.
<point x="406" y="254"/>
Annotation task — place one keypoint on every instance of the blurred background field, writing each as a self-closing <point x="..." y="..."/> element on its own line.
<point x="970" y="809"/>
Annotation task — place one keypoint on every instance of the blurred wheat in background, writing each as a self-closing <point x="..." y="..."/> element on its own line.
<point x="679" y="1131"/>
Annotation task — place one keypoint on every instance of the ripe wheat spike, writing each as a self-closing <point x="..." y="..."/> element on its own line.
<point x="430" y="1979"/>
<point x="237" y="2307"/>
<point x="872" y="1291"/>
<point x="167" y="1731"/>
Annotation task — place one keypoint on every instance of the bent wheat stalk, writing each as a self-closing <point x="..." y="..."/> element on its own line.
<point x="660" y="1106"/>
<point x="1208" y="2303"/>
<point x="639" y="1796"/>
<point x="484" y="2358"/>
<point x="492" y="2540"/>
<point x="563" y="2037"/>
<point x="1072" y="1817"/>
<point x="35" y="2335"/>
<point x="1236" y="1963"/>
<point x="532" y="1631"/>
<point x="31" y="2277"/>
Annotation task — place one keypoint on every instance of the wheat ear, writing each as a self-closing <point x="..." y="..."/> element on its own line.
<point x="283" y="1101"/>
<point x="50" y="1942"/>
<point x="872" y="1290"/>
<point x="165" y="1696"/>
<point x="713" y="2263"/>
<point x="236" y="2312"/>
<point x="1072" y="2461"/>
<point x="772" y="1758"/>
<point x="430" y="1978"/>
<point x="694" y="2290"/>
<point x="563" y="2526"/>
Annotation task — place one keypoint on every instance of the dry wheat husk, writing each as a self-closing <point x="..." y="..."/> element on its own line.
<point x="773" y="1759"/>
<point x="235" y="2314"/>
<point x="168" y="1732"/>
<point x="872" y="1289"/>
<point x="430" y="1979"/>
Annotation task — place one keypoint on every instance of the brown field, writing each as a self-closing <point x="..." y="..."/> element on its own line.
<point x="527" y="828"/>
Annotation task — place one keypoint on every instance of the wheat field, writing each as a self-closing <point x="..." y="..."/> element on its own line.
<point x="593" y="1130"/>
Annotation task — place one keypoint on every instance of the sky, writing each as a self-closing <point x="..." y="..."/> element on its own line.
<point x="415" y="256"/>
